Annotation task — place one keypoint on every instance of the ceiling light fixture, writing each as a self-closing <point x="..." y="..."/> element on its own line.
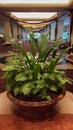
<point x="35" y="2"/>
<point x="33" y="14"/>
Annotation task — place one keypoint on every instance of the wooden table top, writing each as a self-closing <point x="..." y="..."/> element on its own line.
<point x="67" y="66"/>
<point x="11" y="119"/>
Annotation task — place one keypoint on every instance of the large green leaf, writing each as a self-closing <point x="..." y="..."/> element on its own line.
<point x="52" y="65"/>
<point x="36" y="70"/>
<point x="43" y="94"/>
<point x="63" y="80"/>
<point x="10" y="84"/>
<point x="8" y="75"/>
<point x="40" y="84"/>
<point x="26" y="88"/>
<point x="16" y="90"/>
<point x="20" y="77"/>
<point x="48" y="76"/>
<point x="36" y="90"/>
<point x="53" y="88"/>
<point x="9" y="68"/>
<point x="49" y="98"/>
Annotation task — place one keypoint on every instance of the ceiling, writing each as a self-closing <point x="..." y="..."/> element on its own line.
<point x="35" y="10"/>
<point x="35" y="6"/>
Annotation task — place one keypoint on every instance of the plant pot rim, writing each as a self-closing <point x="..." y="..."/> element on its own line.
<point x="35" y="103"/>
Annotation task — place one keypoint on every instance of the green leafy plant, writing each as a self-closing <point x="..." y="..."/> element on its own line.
<point x="35" y="76"/>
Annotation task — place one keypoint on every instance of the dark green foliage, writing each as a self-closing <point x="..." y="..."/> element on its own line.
<point x="25" y="73"/>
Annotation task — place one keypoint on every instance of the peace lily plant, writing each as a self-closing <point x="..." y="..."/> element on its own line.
<point x="35" y="77"/>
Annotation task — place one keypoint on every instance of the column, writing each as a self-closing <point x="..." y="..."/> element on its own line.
<point x="60" y="26"/>
<point x="14" y="26"/>
<point x="7" y="29"/>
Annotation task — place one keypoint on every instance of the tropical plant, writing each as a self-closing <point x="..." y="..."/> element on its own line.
<point x="35" y="76"/>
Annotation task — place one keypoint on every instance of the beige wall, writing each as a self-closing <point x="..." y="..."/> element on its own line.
<point x="7" y="29"/>
<point x="19" y="29"/>
<point x="14" y="27"/>
<point x="53" y="26"/>
<point x="60" y="28"/>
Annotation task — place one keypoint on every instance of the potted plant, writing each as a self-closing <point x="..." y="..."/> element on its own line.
<point x="32" y="80"/>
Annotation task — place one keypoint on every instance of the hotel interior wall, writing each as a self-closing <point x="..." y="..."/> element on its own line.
<point x="71" y="30"/>
<point x="11" y="27"/>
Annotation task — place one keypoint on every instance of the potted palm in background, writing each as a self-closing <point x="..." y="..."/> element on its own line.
<point x="32" y="81"/>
